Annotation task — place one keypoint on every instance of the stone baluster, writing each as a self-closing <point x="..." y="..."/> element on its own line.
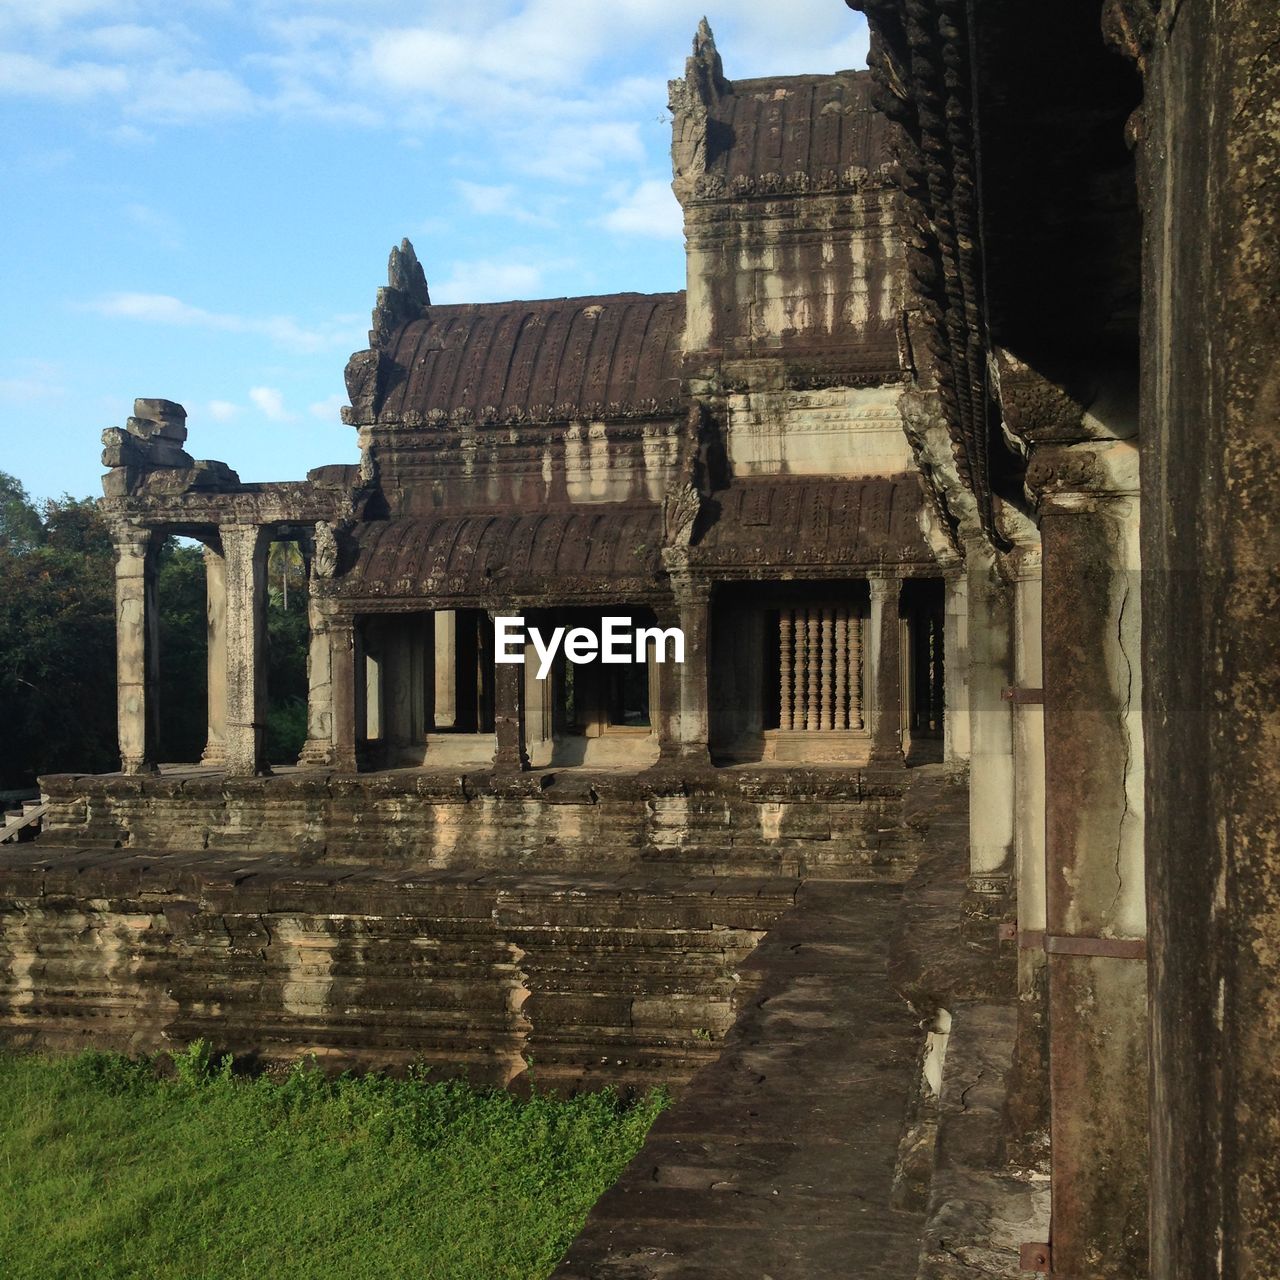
<point x="784" y="669"/>
<point x="800" y="700"/>
<point x="842" y="707"/>
<point x="828" y="644"/>
<point x="812" y="624"/>
<point x="135" y="687"/>
<point x="857" y="718"/>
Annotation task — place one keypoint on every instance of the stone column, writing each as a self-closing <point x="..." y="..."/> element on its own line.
<point x="445" y="715"/>
<point x="991" y="785"/>
<point x="244" y="549"/>
<point x="1095" y="892"/>
<point x="215" y="596"/>
<point x="344" y="659"/>
<point x="955" y="716"/>
<point x="135" y="687"/>
<point x="509" y="714"/>
<point x="1029" y="1086"/>
<point x="886" y="670"/>
<point x="318" y="748"/>
<point x="684" y="716"/>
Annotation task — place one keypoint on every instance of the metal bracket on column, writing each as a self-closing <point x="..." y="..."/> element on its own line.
<point x="1075" y="945"/>
<point x="1036" y="1257"/>
<point x="1023" y="697"/>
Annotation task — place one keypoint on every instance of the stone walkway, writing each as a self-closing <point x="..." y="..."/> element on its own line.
<point x="777" y="1162"/>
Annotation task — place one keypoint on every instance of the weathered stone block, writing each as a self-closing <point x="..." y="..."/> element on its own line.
<point x="157" y="429"/>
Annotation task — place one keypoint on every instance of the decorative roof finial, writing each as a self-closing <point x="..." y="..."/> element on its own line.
<point x="404" y="298"/>
<point x="704" y="72"/>
<point x="405" y="273"/>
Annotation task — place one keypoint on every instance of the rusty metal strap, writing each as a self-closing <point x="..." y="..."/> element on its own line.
<point x="1023" y="697"/>
<point x="1060" y="945"/>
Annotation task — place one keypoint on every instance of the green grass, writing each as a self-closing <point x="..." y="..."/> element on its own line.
<point x="108" y="1171"/>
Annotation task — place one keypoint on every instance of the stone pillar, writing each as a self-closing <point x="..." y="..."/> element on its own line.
<point x="215" y="597"/>
<point x="886" y="670"/>
<point x="991" y="785"/>
<point x="445" y="715"/>
<point x="1029" y="1085"/>
<point x="244" y="549"/>
<point x="509" y="714"/>
<point x="684" y="723"/>
<point x="344" y="660"/>
<point x="318" y="748"/>
<point x="135" y="686"/>
<point x="1095" y="893"/>
<point x="955" y="716"/>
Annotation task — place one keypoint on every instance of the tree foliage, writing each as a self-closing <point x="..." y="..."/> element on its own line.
<point x="57" y="638"/>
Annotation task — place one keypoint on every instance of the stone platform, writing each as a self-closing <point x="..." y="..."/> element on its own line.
<point x="628" y="978"/>
<point x="828" y="822"/>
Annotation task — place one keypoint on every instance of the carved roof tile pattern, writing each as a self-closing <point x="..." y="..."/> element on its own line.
<point x="817" y="522"/>
<point x="618" y="354"/>
<point x="797" y="124"/>
<point x="583" y="551"/>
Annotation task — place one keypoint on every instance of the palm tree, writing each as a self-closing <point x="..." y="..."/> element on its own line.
<point x="285" y="560"/>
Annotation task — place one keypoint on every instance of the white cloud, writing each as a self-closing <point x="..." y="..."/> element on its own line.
<point x="329" y="408"/>
<point x="197" y="93"/>
<point x="488" y="281"/>
<point x="649" y="210"/>
<point x="25" y="76"/>
<point x="484" y="199"/>
<point x="159" y="227"/>
<point x="339" y="333"/>
<point x="222" y="410"/>
<point x="270" y="403"/>
<point x="129" y="40"/>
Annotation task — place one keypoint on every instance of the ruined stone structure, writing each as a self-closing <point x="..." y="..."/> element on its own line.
<point x="883" y="852"/>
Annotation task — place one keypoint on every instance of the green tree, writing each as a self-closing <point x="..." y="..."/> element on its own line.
<point x="57" y="638"/>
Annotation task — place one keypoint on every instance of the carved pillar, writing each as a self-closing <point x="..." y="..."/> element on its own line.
<point x="318" y="748"/>
<point x="886" y="667"/>
<point x="244" y="549"/>
<point x="215" y="597"/>
<point x="1029" y="1085"/>
<point x="509" y="714"/>
<point x="857" y="703"/>
<point x="445" y="715"/>
<point x="344" y="660"/>
<point x="135" y="657"/>
<point x="1095" y="892"/>
<point x="991" y="787"/>
<point x="684" y="717"/>
<point x="955" y="675"/>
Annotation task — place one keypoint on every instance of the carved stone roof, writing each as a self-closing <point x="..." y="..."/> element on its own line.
<point x="610" y="548"/>
<point x="610" y="356"/>
<point x="788" y="125"/>
<point x="817" y="522"/>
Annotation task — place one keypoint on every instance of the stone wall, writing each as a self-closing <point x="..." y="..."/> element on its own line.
<point x="801" y="823"/>
<point x="627" y="977"/>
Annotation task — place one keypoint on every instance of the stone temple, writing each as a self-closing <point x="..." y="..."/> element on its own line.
<point x="941" y="874"/>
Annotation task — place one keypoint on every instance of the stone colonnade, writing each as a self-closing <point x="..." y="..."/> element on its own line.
<point x="824" y="666"/>
<point x="235" y="594"/>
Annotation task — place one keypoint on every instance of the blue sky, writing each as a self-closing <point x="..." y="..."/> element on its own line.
<point x="200" y="197"/>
